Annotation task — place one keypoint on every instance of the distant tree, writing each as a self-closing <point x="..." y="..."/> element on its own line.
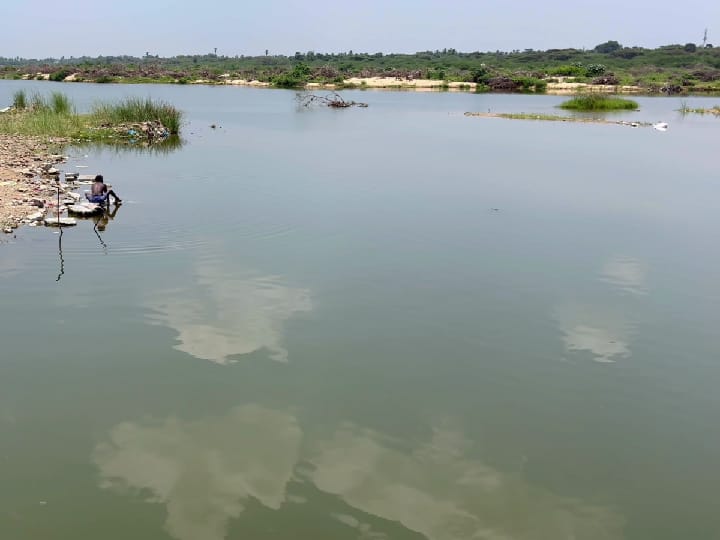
<point x="607" y="47"/>
<point x="690" y="47"/>
<point x="266" y="52"/>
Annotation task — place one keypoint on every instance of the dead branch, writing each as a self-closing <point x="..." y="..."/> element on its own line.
<point x="331" y="99"/>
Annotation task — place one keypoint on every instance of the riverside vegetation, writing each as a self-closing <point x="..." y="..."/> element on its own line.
<point x="56" y="116"/>
<point x="598" y="102"/>
<point x="35" y="129"/>
<point x="670" y="69"/>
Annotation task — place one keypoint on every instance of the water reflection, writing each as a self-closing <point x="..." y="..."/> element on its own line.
<point x="204" y="470"/>
<point x="439" y="491"/>
<point x="61" y="272"/>
<point x="626" y="273"/>
<point x="602" y="332"/>
<point x="225" y="314"/>
<point x="365" y="530"/>
<point x="164" y="147"/>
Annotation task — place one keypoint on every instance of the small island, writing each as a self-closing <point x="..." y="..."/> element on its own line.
<point x="599" y="102"/>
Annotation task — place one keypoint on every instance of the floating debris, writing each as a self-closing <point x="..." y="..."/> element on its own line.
<point x="558" y="118"/>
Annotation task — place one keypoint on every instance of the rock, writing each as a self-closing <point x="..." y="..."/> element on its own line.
<point x="8" y="230"/>
<point x="85" y="209"/>
<point x="37" y="216"/>
<point x="60" y="222"/>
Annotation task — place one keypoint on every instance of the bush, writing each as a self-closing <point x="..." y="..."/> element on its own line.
<point x="567" y="70"/>
<point x="594" y="70"/>
<point x="60" y="75"/>
<point x="297" y="77"/>
<point x="529" y="84"/>
<point x="480" y="76"/>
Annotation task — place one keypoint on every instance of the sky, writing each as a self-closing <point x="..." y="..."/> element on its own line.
<point x="47" y="28"/>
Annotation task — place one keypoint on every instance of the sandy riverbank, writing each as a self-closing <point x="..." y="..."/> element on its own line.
<point x="24" y="182"/>
<point x="395" y="83"/>
<point x="562" y="87"/>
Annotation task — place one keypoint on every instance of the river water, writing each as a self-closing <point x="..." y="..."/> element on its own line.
<point x="393" y="322"/>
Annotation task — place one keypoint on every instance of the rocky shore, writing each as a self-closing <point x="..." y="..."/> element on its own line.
<point x="28" y="179"/>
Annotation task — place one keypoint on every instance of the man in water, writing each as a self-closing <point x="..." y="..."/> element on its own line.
<point x="100" y="194"/>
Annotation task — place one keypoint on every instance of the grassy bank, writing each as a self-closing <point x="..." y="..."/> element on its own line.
<point x="55" y="115"/>
<point x="599" y="102"/>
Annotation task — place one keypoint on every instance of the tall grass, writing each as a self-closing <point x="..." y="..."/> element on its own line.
<point x="686" y="109"/>
<point x="56" y="116"/>
<point x="139" y="110"/>
<point x="60" y="104"/>
<point x="598" y="102"/>
<point x="20" y="100"/>
<point x="38" y="102"/>
<point x="42" y="122"/>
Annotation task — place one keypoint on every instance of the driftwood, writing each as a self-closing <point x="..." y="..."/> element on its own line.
<point x="332" y="99"/>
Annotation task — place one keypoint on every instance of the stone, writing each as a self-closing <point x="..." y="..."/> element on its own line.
<point x="85" y="209"/>
<point x="60" y="222"/>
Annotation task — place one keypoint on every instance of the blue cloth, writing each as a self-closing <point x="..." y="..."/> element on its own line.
<point x="98" y="199"/>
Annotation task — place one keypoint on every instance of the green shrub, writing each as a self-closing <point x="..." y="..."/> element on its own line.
<point x="529" y="84"/>
<point x="60" y="75"/>
<point x="299" y="76"/>
<point x="574" y="70"/>
<point x="598" y="102"/>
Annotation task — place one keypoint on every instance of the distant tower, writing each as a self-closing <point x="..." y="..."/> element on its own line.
<point x="705" y="39"/>
<point x="215" y="51"/>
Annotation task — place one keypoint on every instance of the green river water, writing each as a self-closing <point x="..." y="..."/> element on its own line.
<point x="385" y="323"/>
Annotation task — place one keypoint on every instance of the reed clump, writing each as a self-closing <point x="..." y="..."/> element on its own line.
<point x="20" y="100"/>
<point x="599" y="102"/>
<point x="56" y="116"/>
<point x="686" y="109"/>
<point x="133" y="110"/>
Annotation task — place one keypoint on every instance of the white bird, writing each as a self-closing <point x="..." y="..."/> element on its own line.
<point x="661" y="126"/>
